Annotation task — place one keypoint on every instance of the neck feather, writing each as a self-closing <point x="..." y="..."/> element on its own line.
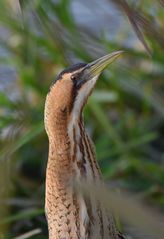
<point x="71" y="157"/>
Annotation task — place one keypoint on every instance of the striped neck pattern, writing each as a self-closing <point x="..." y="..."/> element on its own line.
<point x="72" y="215"/>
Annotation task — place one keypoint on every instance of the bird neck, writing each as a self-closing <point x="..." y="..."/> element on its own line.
<point x="71" y="157"/>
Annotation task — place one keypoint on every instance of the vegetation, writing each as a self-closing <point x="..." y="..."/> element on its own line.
<point x="125" y="115"/>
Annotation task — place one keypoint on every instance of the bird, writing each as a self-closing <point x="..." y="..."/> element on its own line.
<point x="72" y="157"/>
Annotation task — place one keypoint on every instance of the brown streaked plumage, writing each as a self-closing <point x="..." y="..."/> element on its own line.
<point x="71" y="215"/>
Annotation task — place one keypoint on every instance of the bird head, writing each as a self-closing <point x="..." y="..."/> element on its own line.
<point x="70" y="91"/>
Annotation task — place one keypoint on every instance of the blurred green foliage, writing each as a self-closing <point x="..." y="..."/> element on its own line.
<point x="125" y="115"/>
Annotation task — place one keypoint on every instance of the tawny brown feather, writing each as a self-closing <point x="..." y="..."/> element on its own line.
<point x="70" y="214"/>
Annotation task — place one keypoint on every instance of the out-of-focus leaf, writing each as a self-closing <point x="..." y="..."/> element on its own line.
<point x="105" y="123"/>
<point x="131" y="14"/>
<point x="162" y="2"/>
<point x="29" y="135"/>
<point x="5" y="101"/>
<point x="126" y="207"/>
<point x="103" y="96"/>
<point x="29" y="234"/>
<point x="128" y="146"/>
<point x="22" y="215"/>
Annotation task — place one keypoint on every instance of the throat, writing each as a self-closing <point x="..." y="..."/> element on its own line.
<point x="71" y="154"/>
<point x="82" y="152"/>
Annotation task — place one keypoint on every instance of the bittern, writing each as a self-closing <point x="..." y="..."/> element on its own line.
<point x="72" y="215"/>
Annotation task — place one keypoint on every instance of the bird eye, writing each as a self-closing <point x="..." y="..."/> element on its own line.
<point x="73" y="77"/>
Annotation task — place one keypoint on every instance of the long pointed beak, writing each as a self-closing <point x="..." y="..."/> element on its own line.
<point x="96" y="67"/>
